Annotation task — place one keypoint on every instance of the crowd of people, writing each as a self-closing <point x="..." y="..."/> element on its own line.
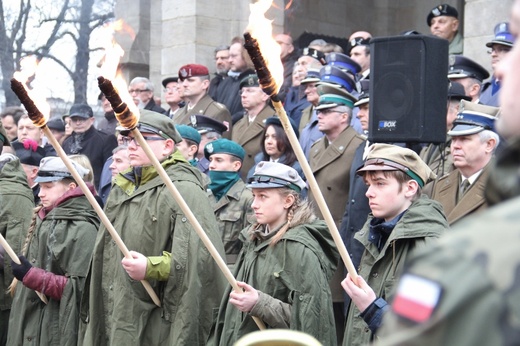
<point x="431" y="229"/>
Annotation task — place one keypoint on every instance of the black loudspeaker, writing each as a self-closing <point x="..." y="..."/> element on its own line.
<point x="408" y="89"/>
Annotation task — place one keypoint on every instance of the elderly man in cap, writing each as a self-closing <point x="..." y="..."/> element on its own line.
<point x="195" y="82"/>
<point x="437" y="156"/>
<point x="401" y="220"/>
<point x="17" y="202"/>
<point x="499" y="46"/>
<point x="330" y="160"/>
<point x="167" y="253"/>
<point x="468" y="73"/>
<point x="249" y="129"/>
<point x="210" y="130"/>
<point x="443" y="21"/>
<point x="86" y="140"/>
<point x="173" y="95"/>
<point x="141" y="89"/>
<point x="473" y="142"/>
<point x="228" y="194"/>
<point x="30" y="155"/>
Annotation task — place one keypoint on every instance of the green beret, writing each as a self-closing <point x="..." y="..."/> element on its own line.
<point x="188" y="132"/>
<point x="250" y="81"/>
<point x="224" y="146"/>
<point x="157" y="123"/>
<point x="387" y="157"/>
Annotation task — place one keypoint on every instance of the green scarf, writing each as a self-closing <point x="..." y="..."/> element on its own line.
<point x="221" y="182"/>
<point x="193" y="162"/>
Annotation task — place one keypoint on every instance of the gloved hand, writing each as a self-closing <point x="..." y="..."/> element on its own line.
<point x="19" y="270"/>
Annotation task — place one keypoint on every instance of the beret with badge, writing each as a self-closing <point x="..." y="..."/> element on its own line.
<point x="189" y="133"/>
<point x="442" y="10"/>
<point x="224" y="146"/>
<point x="314" y="53"/>
<point x="358" y="41"/>
<point x="474" y="118"/>
<point x="53" y="168"/>
<point x="192" y="70"/>
<point x="270" y="175"/>
<point x="29" y="152"/>
<point x="157" y="123"/>
<point x="387" y="157"/>
<point x="249" y="81"/>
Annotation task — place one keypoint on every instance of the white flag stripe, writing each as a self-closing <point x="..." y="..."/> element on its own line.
<point x="419" y="290"/>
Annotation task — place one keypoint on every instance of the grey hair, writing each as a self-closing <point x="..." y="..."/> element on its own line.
<point x="119" y="148"/>
<point x="488" y="134"/>
<point x="221" y="48"/>
<point x="345" y="109"/>
<point x="213" y="135"/>
<point x="147" y="84"/>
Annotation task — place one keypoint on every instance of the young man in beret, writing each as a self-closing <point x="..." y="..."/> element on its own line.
<point x="443" y="21"/>
<point x="166" y="252"/>
<point x="229" y="196"/>
<point x="401" y="220"/>
<point x="195" y="82"/>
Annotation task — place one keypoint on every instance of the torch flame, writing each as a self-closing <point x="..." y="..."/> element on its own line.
<point x="110" y="67"/>
<point x="261" y="29"/>
<point x="28" y="69"/>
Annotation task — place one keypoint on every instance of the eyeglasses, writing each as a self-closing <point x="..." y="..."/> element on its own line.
<point x="137" y="91"/>
<point x="327" y="111"/>
<point x="499" y="49"/>
<point x="170" y="90"/>
<point x="127" y="140"/>
<point x="78" y="120"/>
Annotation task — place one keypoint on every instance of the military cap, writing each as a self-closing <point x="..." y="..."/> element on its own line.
<point x="334" y="75"/>
<point x="456" y="92"/>
<point x="250" y="81"/>
<point x="205" y="124"/>
<point x="333" y="96"/>
<point x="192" y="70"/>
<point x="502" y="36"/>
<point x="462" y="67"/>
<point x="388" y="157"/>
<point x="167" y="80"/>
<point x="224" y="146"/>
<point x="29" y="152"/>
<point x="343" y="62"/>
<point x="56" y="124"/>
<point x="156" y="123"/>
<point x="188" y="132"/>
<point x="442" y="10"/>
<point x="275" y="175"/>
<point x="473" y="118"/>
<point x="364" y="97"/>
<point x="275" y="120"/>
<point x="52" y="168"/>
<point x="358" y="41"/>
<point x="314" y="53"/>
<point x="3" y="135"/>
<point x="81" y="110"/>
<point x="313" y="76"/>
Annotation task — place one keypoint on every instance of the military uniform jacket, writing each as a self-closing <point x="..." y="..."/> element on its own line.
<point x="16" y="205"/>
<point x="234" y="213"/>
<point x="419" y="227"/>
<point x="438" y="157"/>
<point x="475" y="267"/>
<point x="117" y="310"/>
<point x="208" y="107"/>
<point x="62" y="243"/>
<point x="249" y="136"/>
<point x="446" y="189"/>
<point x="295" y="271"/>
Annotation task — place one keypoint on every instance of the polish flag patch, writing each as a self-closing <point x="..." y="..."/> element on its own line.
<point x="416" y="298"/>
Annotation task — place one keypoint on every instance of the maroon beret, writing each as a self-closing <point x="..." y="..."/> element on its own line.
<point x="192" y="70"/>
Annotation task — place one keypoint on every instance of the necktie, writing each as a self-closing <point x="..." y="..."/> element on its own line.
<point x="463" y="188"/>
